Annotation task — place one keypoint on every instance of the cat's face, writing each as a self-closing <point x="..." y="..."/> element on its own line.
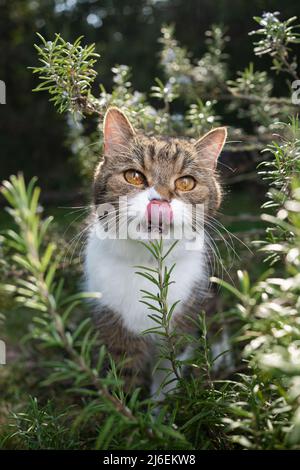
<point x="158" y="176"/>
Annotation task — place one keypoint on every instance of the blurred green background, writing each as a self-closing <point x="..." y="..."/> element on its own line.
<point x="32" y="134"/>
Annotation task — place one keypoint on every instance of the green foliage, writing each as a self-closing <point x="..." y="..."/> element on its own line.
<point x="24" y="139"/>
<point x="204" y="77"/>
<point x="186" y="98"/>
<point x="66" y="72"/>
<point x="256" y="87"/>
<point x="269" y="310"/>
<point x="202" y="117"/>
<point x="277" y="36"/>
<point x="160" y="312"/>
<point x="41" y="427"/>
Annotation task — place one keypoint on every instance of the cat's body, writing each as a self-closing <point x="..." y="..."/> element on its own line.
<point x="150" y="172"/>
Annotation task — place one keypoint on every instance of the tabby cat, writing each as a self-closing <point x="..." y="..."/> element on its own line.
<point x="166" y="175"/>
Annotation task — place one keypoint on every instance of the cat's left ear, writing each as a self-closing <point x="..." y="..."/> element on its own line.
<point x="210" y="146"/>
<point x="117" y="131"/>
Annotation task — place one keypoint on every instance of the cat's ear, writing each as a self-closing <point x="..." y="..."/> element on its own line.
<point x="210" y="146"/>
<point x="117" y="131"/>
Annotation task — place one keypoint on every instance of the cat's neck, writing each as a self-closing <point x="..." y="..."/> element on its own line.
<point x="135" y="252"/>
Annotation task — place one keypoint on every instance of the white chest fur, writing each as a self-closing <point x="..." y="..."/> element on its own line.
<point x="110" y="270"/>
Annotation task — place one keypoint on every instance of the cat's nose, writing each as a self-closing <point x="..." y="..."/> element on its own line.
<point x="159" y="213"/>
<point x="159" y="193"/>
<point x="153" y="194"/>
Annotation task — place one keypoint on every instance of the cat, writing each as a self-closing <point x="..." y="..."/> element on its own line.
<point x="164" y="174"/>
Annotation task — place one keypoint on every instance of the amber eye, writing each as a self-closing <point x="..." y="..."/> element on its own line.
<point x="185" y="183"/>
<point x="134" y="177"/>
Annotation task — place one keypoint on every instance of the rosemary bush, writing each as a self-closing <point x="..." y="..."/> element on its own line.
<point x="269" y="310"/>
<point x="41" y="289"/>
<point x="67" y="401"/>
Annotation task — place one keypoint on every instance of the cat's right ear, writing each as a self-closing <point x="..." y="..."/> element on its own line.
<point x="117" y="132"/>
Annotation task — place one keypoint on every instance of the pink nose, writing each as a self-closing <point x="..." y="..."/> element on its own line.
<point x="159" y="212"/>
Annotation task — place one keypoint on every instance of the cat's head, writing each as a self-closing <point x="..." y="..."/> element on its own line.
<point x="163" y="174"/>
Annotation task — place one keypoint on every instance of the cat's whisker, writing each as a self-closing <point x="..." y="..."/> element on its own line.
<point x="72" y="223"/>
<point x="229" y="253"/>
<point x="212" y="258"/>
<point x="218" y="256"/>
<point x="226" y="166"/>
<point x="229" y="246"/>
<point x="90" y="206"/>
<point x="214" y="223"/>
<point x="216" y="259"/>
<point x="71" y="249"/>
<point x="216" y="253"/>
<point x="74" y="241"/>
<point x="81" y="234"/>
<point x="230" y="234"/>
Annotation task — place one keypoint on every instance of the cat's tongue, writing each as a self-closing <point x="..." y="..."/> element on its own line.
<point x="159" y="213"/>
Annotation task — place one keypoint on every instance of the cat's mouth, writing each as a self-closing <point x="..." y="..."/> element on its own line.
<point x="156" y="228"/>
<point x="159" y="216"/>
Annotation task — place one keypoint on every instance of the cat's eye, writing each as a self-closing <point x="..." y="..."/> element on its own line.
<point x="134" y="177"/>
<point x="185" y="183"/>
